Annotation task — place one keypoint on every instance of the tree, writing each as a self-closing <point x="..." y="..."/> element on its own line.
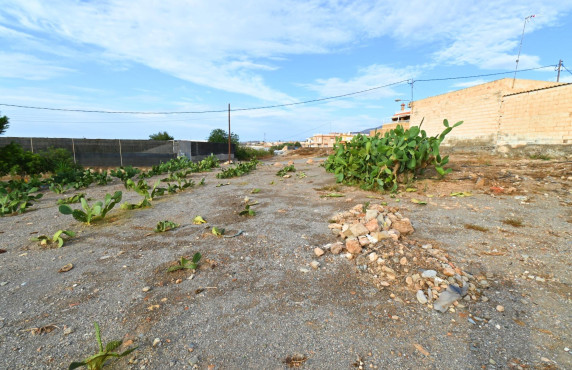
<point x="221" y="136"/>
<point x="4" y="124"/>
<point x="161" y="136"/>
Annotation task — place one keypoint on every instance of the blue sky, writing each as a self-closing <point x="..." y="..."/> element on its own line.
<point x="175" y="55"/>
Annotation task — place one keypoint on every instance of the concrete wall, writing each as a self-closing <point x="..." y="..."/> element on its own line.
<point x="477" y="106"/>
<point x="536" y="117"/>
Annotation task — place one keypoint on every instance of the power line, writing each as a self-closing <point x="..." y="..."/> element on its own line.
<point x="411" y="81"/>
<point x="483" y="75"/>
<point x="566" y="69"/>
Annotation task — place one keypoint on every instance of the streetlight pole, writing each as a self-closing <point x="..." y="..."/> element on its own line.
<point x="520" y="47"/>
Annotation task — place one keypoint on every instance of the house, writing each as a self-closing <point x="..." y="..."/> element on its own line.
<point x="327" y="140"/>
<point x="401" y="117"/>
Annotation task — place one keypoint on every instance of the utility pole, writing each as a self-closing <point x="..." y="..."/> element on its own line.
<point x="228" y="133"/>
<point x="520" y="47"/>
<point x="559" y="66"/>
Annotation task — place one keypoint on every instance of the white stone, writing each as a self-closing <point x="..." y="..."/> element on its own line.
<point x="421" y="297"/>
<point x="429" y="274"/>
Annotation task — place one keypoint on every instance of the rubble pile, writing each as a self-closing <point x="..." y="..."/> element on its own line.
<point x="376" y="239"/>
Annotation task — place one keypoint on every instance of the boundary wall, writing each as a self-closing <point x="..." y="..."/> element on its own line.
<point x="497" y="114"/>
<point x="115" y="153"/>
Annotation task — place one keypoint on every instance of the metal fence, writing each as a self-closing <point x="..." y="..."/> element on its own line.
<point x="114" y="153"/>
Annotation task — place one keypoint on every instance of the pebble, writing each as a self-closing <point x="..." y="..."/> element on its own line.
<point x="68" y="330"/>
<point x="3" y="283"/>
<point x="484" y="283"/>
<point x="500" y="308"/>
<point x="319" y="252"/>
<point x="421" y="297"/>
<point x="156" y="342"/>
<point x="403" y="261"/>
<point x="304" y="270"/>
<point x="194" y="360"/>
<point x="146" y="289"/>
<point x="429" y="274"/>
<point x="315" y="264"/>
<point x="337" y="248"/>
<point x="448" y="271"/>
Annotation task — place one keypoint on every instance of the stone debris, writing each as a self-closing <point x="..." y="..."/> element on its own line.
<point x="377" y="240"/>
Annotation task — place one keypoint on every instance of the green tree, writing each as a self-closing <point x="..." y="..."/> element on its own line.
<point x="221" y="136"/>
<point x="4" y="124"/>
<point x="161" y="136"/>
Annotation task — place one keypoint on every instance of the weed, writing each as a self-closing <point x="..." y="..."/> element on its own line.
<point x="365" y="206"/>
<point x="333" y="195"/>
<point x="476" y="227"/>
<point x="301" y="174"/>
<point x="255" y="191"/>
<point x="247" y="211"/>
<point x="73" y="199"/>
<point x="199" y="220"/>
<point x="163" y="226"/>
<point x="186" y="264"/>
<point x="95" y="212"/>
<point x="56" y="238"/>
<point x="17" y="198"/>
<point x="285" y="170"/>
<point x="514" y="222"/>
<point x="96" y="361"/>
<point x="544" y="157"/>
<point x="239" y="170"/>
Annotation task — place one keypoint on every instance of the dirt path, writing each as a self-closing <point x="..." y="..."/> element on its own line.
<point x="255" y="302"/>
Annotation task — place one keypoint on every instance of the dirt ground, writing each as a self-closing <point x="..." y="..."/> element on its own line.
<point x="255" y="301"/>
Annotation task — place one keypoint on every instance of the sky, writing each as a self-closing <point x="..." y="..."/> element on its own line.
<point x="161" y="58"/>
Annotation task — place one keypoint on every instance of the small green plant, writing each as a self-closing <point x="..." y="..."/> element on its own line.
<point x="17" y="199"/>
<point x="125" y="173"/>
<point x="285" y="170"/>
<point x="247" y="211"/>
<point x="186" y="264"/>
<point x="73" y="199"/>
<point x="239" y="170"/>
<point x="301" y="175"/>
<point x="58" y="238"/>
<point x="163" y="226"/>
<point x="97" y="361"/>
<point x="365" y="206"/>
<point x="95" y="212"/>
<point x="255" y="191"/>
<point x="202" y="182"/>
<point x="59" y="188"/>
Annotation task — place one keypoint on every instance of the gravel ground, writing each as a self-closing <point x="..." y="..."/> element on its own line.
<point x="255" y="302"/>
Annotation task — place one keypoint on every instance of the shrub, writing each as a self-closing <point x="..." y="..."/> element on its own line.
<point x="244" y="153"/>
<point x="14" y="160"/>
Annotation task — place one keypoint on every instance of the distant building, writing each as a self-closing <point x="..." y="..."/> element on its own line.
<point x="402" y="118"/>
<point x="327" y="140"/>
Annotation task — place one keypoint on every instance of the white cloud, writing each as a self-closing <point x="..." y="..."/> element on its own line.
<point x="28" y="67"/>
<point x="470" y="83"/>
<point x="370" y="77"/>
<point x="230" y="47"/>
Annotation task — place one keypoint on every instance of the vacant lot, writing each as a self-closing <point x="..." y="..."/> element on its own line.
<point x="255" y="302"/>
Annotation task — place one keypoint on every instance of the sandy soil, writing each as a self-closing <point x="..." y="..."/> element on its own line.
<point x="255" y="302"/>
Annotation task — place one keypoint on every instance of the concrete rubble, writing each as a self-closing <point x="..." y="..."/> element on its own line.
<point x="376" y="238"/>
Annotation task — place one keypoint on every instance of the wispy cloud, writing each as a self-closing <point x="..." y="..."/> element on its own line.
<point x="469" y="83"/>
<point x="28" y="67"/>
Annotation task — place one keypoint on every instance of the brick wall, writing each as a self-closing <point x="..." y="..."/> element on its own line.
<point x="537" y="117"/>
<point x="477" y="106"/>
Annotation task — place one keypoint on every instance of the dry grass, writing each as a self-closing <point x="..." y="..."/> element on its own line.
<point x="514" y="222"/>
<point x="476" y="227"/>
